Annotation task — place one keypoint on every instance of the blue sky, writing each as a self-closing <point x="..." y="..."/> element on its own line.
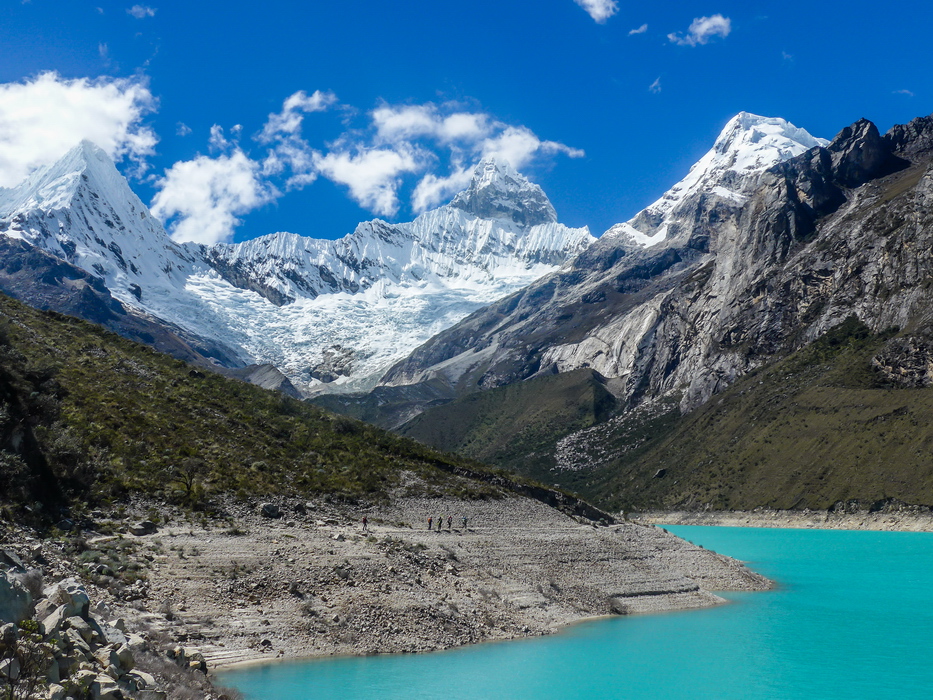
<point x="237" y="119"/>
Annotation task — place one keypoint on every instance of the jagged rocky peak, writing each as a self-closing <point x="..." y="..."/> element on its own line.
<point x="498" y="191"/>
<point x="748" y="145"/>
<point x="53" y="186"/>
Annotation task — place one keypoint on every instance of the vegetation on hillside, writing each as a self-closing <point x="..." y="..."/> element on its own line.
<point x="817" y="428"/>
<point x="88" y="416"/>
<point x="518" y="425"/>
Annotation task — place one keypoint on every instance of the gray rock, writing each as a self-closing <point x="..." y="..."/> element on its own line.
<point x="11" y="558"/>
<point x="104" y="687"/>
<point x="144" y="527"/>
<point x="9" y="633"/>
<point x="15" y="601"/>
<point x="71" y="592"/>
<point x="54" y="622"/>
<point x="270" y="510"/>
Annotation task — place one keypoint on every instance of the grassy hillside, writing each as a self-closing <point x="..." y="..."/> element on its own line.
<point x="817" y="428"/>
<point x="86" y="415"/>
<point x="518" y="425"/>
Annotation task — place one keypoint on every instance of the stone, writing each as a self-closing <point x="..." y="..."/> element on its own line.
<point x="56" y="692"/>
<point x="80" y="625"/>
<point x="141" y="679"/>
<point x="270" y="510"/>
<point x="125" y="657"/>
<point x="53" y="674"/>
<point x="83" y="678"/>
<point x="70" y="591"/>
<point x="54" y="622"/>
<point x="73" y="638"/>
<point x="135" y="642"/>
<point x="8" y="634"/>
<point x="143" y="527"/>
<point x="15" y="601"/>
<point x="11" y="558"/>
<point x="44" y="608"/>
<point x="104" y="687"/>
<point x="10" y="668"/>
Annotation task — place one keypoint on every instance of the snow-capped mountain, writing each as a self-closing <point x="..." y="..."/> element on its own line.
<point x="747" y="146"/>
<point x="326" y="312"/>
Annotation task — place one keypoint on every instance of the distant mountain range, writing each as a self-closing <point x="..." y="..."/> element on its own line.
<point x="773" y="240"/>
<point x="329" y="314"/>
<point x="783" y="271"/>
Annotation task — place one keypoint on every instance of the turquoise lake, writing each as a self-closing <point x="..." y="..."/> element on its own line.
<point x="852" y="617"/>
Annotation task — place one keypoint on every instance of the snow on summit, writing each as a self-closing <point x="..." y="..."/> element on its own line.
<point x="747" y="146"/>
<point x="366" y="299"/>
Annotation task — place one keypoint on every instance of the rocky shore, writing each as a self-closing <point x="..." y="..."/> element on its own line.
<point x="908" y="519"/>
<point x="298" y="579"/>
<point x="312" y="582"/>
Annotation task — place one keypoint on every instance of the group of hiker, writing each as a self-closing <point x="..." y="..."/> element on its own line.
<point x="440" y="523"/>
<point x="450" y="522"/>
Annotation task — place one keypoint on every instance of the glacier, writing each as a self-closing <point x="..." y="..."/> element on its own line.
<point x="296" y="302"/>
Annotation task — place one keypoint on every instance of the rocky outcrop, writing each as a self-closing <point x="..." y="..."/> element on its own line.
<point x="837" y="231"/>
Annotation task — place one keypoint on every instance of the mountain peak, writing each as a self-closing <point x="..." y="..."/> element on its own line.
<point x="756" y="141"/>
<point x="53" y="186"/>
<point x="748" y="145"/>
<point x="498" y="191"/>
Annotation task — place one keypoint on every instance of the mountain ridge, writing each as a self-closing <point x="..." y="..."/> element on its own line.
<point x="286" y="299"/>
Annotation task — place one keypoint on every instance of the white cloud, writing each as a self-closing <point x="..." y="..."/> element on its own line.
<point x="288" y="121"/>
<point x="702" y="29"/>
<point x="599" y="10"/>
<point x="407" y="122"/>
<point x="640" y="30"/>
<point x="518" y="146"/>
<point x="907" y="93"/>
<point x="373" y="175"/>
<point x="655" y="87"/>
<point x="433" y="190"/>
<point x="42" y="118"/>
<point x="463" y="136"/>
<point x="182" y="129"/>
<point x="206" y="195"/>
<point x="141" y="11"/>
<point x="289" y="150"/>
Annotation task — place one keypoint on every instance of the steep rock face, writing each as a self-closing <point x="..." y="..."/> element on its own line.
<point x="285" y="299"/>
<point x="835" y="231"/>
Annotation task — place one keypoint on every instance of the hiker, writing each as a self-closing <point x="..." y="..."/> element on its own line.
<point x="365" y="526"/>
<point x="440" y="522"/>
<point x="430" y="521"/>
<point x="464" y="522"/>
<point x="450" y="522"/>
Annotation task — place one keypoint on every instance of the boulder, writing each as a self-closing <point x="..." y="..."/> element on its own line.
<point x="15" y="601"/>
<point x="104" y="687"/>
<point x="11" y="558"/>
<point x="10" y="668"/>
<point x="270" y="510"/>
<point x="44" y="608"/>
<point x="56" y="692"/>
<point x="8" y="634"/>
<point x="144" y="527"/>
<point x="79" y="625"/>
<point x="140" y="680"/>
<point x="70" y="591"/>
<point x="54" y="622"/>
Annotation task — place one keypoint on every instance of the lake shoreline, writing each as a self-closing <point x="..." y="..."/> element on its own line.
<point x="315" y="585"/>
<point x="894" y="521"/>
